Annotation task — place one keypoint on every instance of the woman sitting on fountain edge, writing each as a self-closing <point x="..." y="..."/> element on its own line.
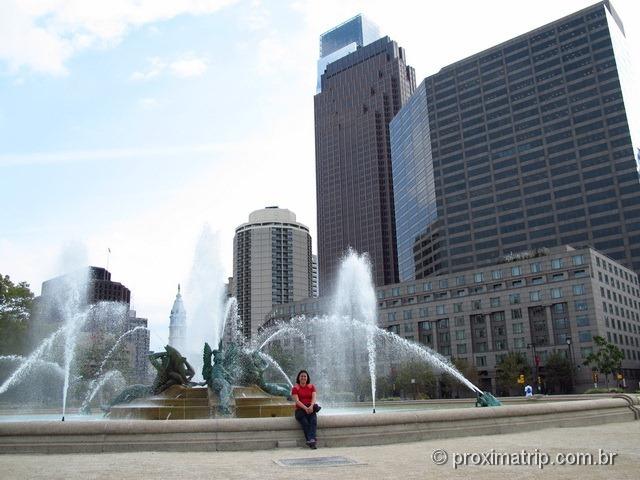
<point x="304" y="394"/>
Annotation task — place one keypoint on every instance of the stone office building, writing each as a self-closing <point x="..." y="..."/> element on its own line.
<point x="549" y="301"/>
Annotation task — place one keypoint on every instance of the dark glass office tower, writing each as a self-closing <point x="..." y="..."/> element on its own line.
<point x="360" y="94"/>
<point x="525" y="145"/>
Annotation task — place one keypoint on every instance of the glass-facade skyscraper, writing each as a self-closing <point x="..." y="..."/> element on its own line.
<point x="360" y="94"/>
<point x="525" y="145"/>
<point x="344" y="39"/>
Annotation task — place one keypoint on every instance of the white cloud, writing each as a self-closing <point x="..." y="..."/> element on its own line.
<point x="42" y="35"/>
<point x="149" y="103"/>
<point x="69" y="156"/>
<point x="189" y="65"/>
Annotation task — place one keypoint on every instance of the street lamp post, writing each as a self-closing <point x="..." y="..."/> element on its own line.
<point x="532" y="346"/>
<point x="568" y="340"/>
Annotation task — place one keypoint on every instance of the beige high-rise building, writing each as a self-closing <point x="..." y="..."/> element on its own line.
<point x="272" y="265"/>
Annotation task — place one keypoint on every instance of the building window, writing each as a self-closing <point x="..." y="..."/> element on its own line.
<point x="514" y="298"/>
<point x="424" y="312"/>
<point x="516" y="313"/>
<point x="427" y="287"/>
<point x="443" y="283"/>
<point x="581" y="306"/>
<point x="476" y="304"/>
<point x="495" y="301"/>
<point x="517" y="328"/>
<point x="556" y="293"/>
<point x="461" y="348"/>
<point x="391" y="316"/>
<point x="586" y="351"/>
<point x="516" y="271"/>
<point x="496" y="274"/>
<point x="411" y="289"/>
<point x="457" y="307"/>
<point x="407" y="314"/>
<point x="395" y="291"/>
<point x="459" y="321"/>
<point x="481" y="361"/>
<point x="585" y="336"/>
<point x="537" y="280"/>
<point x="578" y="289"/>
<point x="460" y="334"/>
<point x="440" y="309"/>
<point x="478" y="277"/>
<point x="536" y="267"/>
<point x="424" y="326"/>
<point x="557" y="263"/>
<point x="460" y="280"/>
<point x="577" y="260"/>
<point x="535" y="296"/>
<point x="518" y="342"/>
<point x="583" y="320"/>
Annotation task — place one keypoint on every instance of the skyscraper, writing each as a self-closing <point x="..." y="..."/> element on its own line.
<point x="525" y="145"/>
<point x="271" y="265"/>
<point x="360" y="93"/>
<point x="344" y="39"/>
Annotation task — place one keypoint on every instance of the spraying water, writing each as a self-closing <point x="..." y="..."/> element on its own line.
<point x="30" y="361"/>
<point x="95" y="387"/>
<point x="275" y="364"/>
<point x="205" y="298"/>
<point x="355" y="299"/>
<point x="280" y="332"/>
<point x="113" y="349"/>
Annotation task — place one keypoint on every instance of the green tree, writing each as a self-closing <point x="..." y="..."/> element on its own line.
<point x="512" y="366"/>
<point x="453" y="385"/>
<point x="424" y="380"/>
<point x="16" y="301"/>
<point x="607" y="360"/>
<point x="558" y="373"/>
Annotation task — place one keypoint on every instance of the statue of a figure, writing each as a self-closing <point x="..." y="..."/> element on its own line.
<point x="218" y="377"/>
<point x="253" y="367"/>
<point x="172" y="369"/>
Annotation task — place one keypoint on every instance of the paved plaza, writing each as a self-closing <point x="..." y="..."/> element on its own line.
<point x="618" y="442"/>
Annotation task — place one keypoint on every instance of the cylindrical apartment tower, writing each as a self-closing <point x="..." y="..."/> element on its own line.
<point x="272" y="265"/>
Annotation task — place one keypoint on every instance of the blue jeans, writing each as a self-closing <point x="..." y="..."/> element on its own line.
<point x="309" y="422"/>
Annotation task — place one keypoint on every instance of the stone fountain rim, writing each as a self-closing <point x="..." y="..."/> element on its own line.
<point x="106" y="427"/>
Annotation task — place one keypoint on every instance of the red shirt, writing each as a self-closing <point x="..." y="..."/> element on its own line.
<point x="304" y="393"/>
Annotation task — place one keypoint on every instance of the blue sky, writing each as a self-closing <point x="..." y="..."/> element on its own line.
<point x="130" y="124"/>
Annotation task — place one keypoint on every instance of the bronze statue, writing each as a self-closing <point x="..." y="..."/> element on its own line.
<point x="172" y="368"/>
<point x="219" y="374"/>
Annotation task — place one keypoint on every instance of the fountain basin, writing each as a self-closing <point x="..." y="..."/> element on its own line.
<point x="190" y="403"/>
<point x="333" y="430"/>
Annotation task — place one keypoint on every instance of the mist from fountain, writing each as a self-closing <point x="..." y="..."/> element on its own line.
<point x="277" y="366"/>
<point x="204" y="298"/>
<point x="355" y="298"/>
<point x="96" y="386"/>
<point x="29" y="362"/>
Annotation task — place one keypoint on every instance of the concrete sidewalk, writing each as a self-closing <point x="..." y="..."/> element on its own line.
<point x="397" y="461"/>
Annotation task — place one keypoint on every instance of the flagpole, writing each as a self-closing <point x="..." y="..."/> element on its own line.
<point x="108" y="255"/>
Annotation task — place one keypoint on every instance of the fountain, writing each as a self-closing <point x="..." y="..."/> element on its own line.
<point x="331" y="342"/>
